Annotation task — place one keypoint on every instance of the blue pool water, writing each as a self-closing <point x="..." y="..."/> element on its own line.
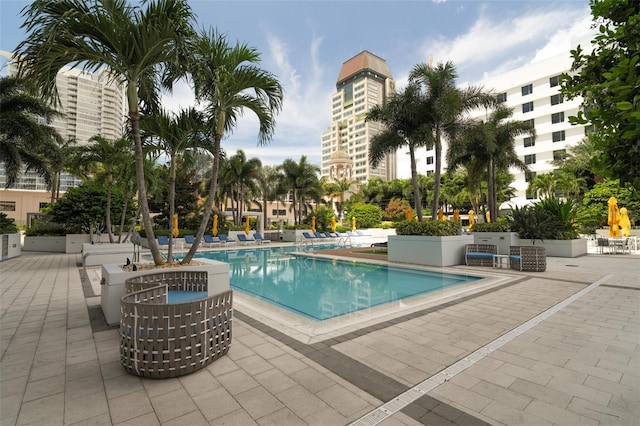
<point x="322" y="288"/>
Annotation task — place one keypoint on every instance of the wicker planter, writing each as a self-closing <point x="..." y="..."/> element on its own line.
<point x="429" y="251"/>
<point x="160" y="338"/>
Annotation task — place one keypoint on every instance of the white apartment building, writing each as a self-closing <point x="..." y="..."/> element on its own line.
<point x="533" y="91"/>
<point x="364" y="81"/>
<point x="91" y="104"/>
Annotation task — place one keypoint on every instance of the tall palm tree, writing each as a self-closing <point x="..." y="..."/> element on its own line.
<point x="446" y="105"/>
<point x="173" y="135"/>
<point x="103" y="159"/>
<point x="544" y="185"/>
<point x="227" y="81"/>
<point x="302" y="180"/>
<point x="403" y="117"/>
<point x="243" y="174"/>
<point x="25" y="142"/>
<point x="268" y="188"/>
<point x="338" y="189"/>
<point x="133" y="43"/>
<point x="488" y="147"/>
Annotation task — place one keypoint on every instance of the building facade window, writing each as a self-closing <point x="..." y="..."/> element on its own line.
<point x="558" y="117"/>
<point x="7" y="206"/>
<point x="527" y="90"/>
<point x="530" y="159"/>
<point x="502" y="97"/>
<point x="559" y="154"/>
<point x="558" y="136"/>
<point x="430" y="160"/>
<point x="527" y="107"/>
<point x="554" y="81"/>
<point x="556" y="99"/>
<point x="529" y="141"/>
<point x="529" y="176"/>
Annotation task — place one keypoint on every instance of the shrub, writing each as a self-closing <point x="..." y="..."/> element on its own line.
<point x="428" y="228"/>
<point x="548" y="219"/>
<point x="367" y="215"/>
<point x="491" y="227"/>
<point x="44" y="228"/>
<point x="7" y="225"/>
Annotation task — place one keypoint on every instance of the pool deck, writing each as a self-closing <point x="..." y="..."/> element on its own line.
<point x="560" y="347"/>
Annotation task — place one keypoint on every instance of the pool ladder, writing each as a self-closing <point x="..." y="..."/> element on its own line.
<point x="345" y="242"/>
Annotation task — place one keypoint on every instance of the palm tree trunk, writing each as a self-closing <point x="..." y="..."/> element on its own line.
<point x="414" y="180"/>
<point x="123" y="217"/>
<point x="436" y="186"/>
<point x="491" y="190"/>
<point x="107" y="216"/>
<point x="172" y="208"/>
<point x="134" y="117"/>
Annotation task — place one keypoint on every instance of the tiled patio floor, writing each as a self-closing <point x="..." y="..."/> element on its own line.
<point x="579" y="366"/>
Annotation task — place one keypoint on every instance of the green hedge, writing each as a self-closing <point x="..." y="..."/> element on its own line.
<point x="491" y="227"/>
<point x="428" y="228"/>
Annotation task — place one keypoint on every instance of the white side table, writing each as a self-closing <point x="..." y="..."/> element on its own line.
<point x="501" y="261"/>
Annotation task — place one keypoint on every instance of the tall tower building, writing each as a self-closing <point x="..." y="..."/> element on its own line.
<point x="364" y="81"/>
<point x="91" y="104"/>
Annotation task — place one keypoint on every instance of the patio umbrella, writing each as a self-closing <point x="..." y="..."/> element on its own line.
<point x="353" y="224"/>
<point x="409" y="214"/>
<point x="488" y="216"/>
<point x="625" y="223"/>
<point x="246" y="226"/>
<point x="176" y="231"/>
<point x="333" y="224"/>
<point x="456" y="215"/>
<point x="214" y="231"/>
<point x="614" y="218"/>
<point x="440" y="214"/>
<point x="313" y="224"/>
<point x="471" y="213"/>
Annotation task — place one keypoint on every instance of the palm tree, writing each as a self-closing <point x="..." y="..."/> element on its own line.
<point x="446" y="105"/>
<point x="543" y="185"/>
<point x="25" y="142"/>
<point x="243" y="174"/>
<point x="268" y="188"/>
<point x="228" y="81"/>
<point x="104" y="159"/>
<point x="131" y="43"/>
<point x="488" y="147"/>
<point x="174" y="135"/>
<point x="302" y="180"/>
<point x="338" y="189"/>
<point x="403" y="117"/>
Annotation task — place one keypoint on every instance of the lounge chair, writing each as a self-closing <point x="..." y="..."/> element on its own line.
<point x="226" y="240"/>
<point x="528" y="258"/>
<point x="163" y="241"/>
<point x="189" y="239"/>
<point x="381" y="245"/>
<point x="260" y="239"/>
<point x="244" y="240"/>
<point x="362" y="234"/>
<point x="479" y="254"/>
<point x="352" y="234"/>
<point x="320" y="235"/>
<point x="308" y="236"/>
<point x="211" y="240"/>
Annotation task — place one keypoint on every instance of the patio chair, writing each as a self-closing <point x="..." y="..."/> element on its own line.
<point x="528" y="258"/>
<point x="260" y="239"/>
<point x="226" y="240"/>
<point x="163" y="241"/>
<point x="308" y="236"/>
<point x="602" y="243"/>
<point x="479" y="254"/>
<point x="244" y="240"/>
<point x="362" y="234"/>
<point x="320" y="235"/>
<point x="170" y="326"/>
<point x="189" y="239"/>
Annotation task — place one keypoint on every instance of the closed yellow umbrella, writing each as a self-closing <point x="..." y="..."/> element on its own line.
<point x="456" y="215"/>
<point x="614" y="218"/>
<point x="246" y="226"/>
<point x="333" y="224"/>
<point x="313" y="224"/>
<point x="409" y="214"/>
<point x="471" y="213"/>
<point x="214" y="231"/>
<point x="625" y="223"/>
<point x="176" y="232"/>
<point x="440" y="214"/>
<point x="488" y="216"/>
<point x="353" y="224"/>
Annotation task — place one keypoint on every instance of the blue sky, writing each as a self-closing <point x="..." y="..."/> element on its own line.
<point x="305" y="42"/>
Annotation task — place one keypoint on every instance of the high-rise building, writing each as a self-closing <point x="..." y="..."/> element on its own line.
<point x="533" y="91"/>
<point x="364" y="81"/>
<point x="91" y="104"/>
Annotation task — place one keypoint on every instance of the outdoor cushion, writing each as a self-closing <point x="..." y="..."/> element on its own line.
<point x="514" y="257"/>
<point x="477" y="255"/>
<point x="181" y="296"/>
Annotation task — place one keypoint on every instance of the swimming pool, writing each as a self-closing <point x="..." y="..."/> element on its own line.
<point x="321" y="289"/>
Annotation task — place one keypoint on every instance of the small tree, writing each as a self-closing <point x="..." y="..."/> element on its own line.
<point x="367" y="215"/>
<point x="7" y="225"/>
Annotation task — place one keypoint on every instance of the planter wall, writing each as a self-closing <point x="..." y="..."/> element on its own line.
<point x="428" y="251"/>
<point x="113" y="278"/>
<point x="561" y="248"/>
<point x="74" y="242"/>
<point x="97" y="254"/>
<point x="10" y="246"/>
<point x="293" y="235"/>
<point x="503" y="240"/>
<point x="50" y="244"/>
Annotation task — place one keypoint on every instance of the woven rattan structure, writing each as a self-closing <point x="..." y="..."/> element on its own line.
<point x="161" y="340"/>
<point x="528" y="258"/>
<point x="479" y="254"/>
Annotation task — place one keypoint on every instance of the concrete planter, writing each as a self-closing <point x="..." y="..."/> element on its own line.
<point x="503" y="240"/>
<point x="45" y="243"/>
<point x="74" y="242"/>
<point x="560" y="248"/>
<point x="293" y="235"/>
<point x="10" y="245"/>
<point x="113" y="278"/>
<point x="428" y="251"/>
<point x="97" y="254"/>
